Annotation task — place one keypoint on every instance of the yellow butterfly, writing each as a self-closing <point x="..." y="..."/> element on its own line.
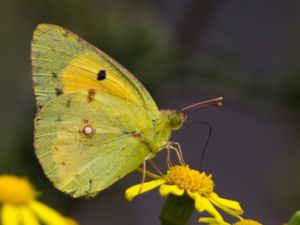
<point x="96" y="122"/>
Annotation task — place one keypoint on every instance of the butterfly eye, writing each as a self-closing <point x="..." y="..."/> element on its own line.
<point x="88" y="130"/>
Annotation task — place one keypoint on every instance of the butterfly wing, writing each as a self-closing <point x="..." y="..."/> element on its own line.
<point x="80" y="164"/>
<point x="63" y="62"/>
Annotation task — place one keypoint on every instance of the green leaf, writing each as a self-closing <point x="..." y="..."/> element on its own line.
<point x="295" y="219"/>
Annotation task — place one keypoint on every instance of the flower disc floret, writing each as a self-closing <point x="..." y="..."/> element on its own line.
<point x="16" y="190"/>
<point x="190" y="180"/>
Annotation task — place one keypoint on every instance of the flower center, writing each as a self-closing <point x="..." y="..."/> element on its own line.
<point x="15" y="190"/>
<point x="247" y="222"/>
<point x="190" y="180"/>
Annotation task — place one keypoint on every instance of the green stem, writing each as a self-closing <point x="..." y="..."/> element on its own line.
<point x="177" y="210"/>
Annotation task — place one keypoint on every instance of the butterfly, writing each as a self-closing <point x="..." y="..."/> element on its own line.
<point x="95" y="122"/>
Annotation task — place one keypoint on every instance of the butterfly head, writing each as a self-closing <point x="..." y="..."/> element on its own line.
<point x="174" y="119"/>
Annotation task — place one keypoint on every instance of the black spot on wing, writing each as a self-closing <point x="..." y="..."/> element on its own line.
<point x="54" y="75"/>
<point x="101" y="75"/>
<point x="154" y="122"/>
<point x="58" y="91"/>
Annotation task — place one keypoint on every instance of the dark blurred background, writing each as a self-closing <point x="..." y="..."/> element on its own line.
<point x="183" y="52"/>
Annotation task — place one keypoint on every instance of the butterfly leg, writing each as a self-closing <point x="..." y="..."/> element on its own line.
<point x="143" y="176"/>
<point x="180" y="151"/>
<point x="145" y="171"/>
<point x="169" y="163"/>
<point x="155" y="167"/>
<point x="177" y="148"/>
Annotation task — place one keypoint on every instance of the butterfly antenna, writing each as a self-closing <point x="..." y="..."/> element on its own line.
<point x="203" y="153"/>
<point x="215" y="102"/>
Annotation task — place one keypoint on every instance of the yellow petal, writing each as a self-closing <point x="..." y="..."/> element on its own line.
<point x="70" y="221"/>
<point x="231" y="207"/>
<point x="198" y="205"/>
<point x="166" y="189"/>
<point x="211" y="221"/>
<point x="28" y="216"/>
<point x="10" y="215"/>
<point x="136" y="190"/>
<point x="234" y="205"/>
<point x="203" y="204"/>
<point x="47" y="214"/>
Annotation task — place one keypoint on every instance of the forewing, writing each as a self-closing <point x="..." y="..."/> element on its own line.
<point x="62" y="62"/>
<point x="82" y="165"/>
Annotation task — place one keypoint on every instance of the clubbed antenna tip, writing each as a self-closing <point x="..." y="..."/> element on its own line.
<point x="215" y="102"/>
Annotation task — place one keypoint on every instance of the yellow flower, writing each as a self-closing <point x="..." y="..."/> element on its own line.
<point x="212" y="221"/>
<point x="18" y="205"/>
<point x="181" y="180"/>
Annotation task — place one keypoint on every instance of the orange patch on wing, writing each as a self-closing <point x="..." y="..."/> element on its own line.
<point x="82" y="72"/>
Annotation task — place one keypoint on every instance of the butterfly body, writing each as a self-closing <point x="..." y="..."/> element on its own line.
<point x="96" y="122"/>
